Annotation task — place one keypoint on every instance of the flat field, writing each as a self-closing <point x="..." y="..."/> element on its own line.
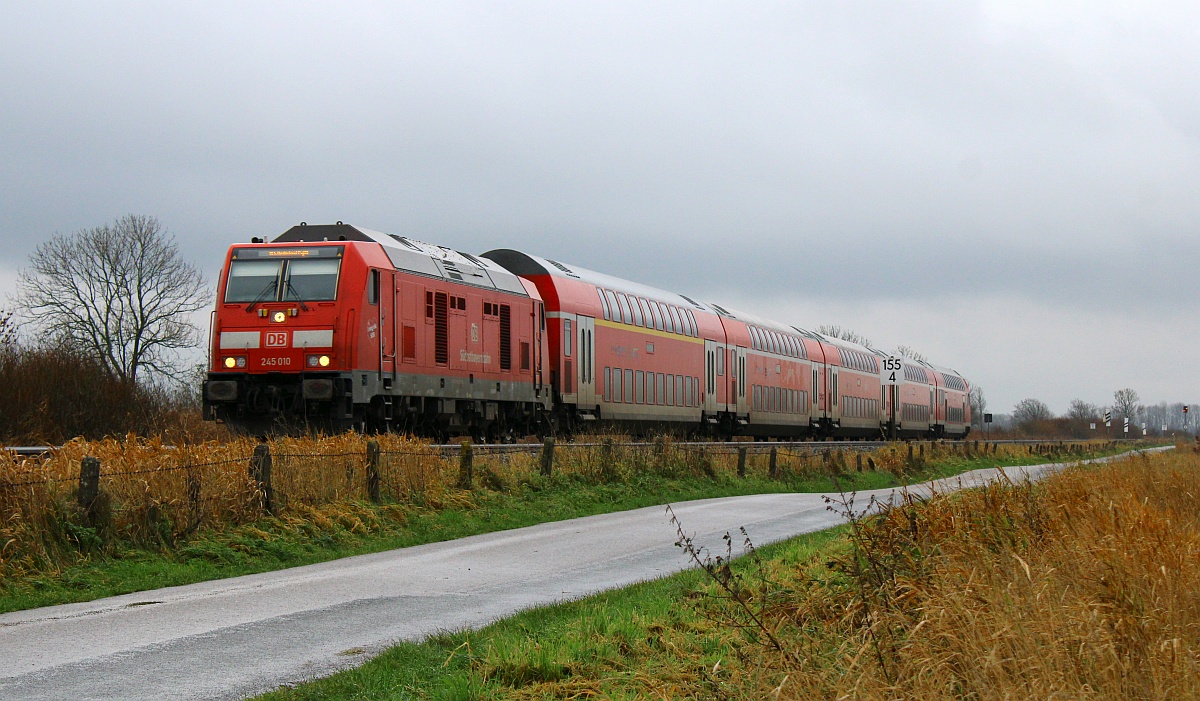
<point x="1083" y="586"/>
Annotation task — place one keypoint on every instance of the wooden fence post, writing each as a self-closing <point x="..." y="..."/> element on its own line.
<point x="373" y="471"/>
<point x="89" y="488"/>
<point x="260" y="472"/>
<point x="548" y="457"/>
<point x="773" y="469"/>
<point x="465" y="466"/>
<point x="858" y="461"/>
<point x="741" y="468"/>
<point x="193" y="494"/>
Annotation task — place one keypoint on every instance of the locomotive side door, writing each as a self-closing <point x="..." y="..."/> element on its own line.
<point x="387" y="327"/>
<point x="585" y="369"/>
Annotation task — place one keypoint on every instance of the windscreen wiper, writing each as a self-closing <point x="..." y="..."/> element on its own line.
<point x="270" y="287"/>
<point x="291" y="289"/>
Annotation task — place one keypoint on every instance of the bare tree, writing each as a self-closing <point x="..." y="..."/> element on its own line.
<point x="1125" y="403"/>
<point x="120" y="292"/>
<point x="1082" y="411"/>
<point x="911" y="353"/>
<point x="978" y="404"/>
<point x="1031" y="411"/>
<point x="8" y="331"/>
<point x="844" y="334"/>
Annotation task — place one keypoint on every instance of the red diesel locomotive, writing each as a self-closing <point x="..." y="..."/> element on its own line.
<point x="335" y="326"/>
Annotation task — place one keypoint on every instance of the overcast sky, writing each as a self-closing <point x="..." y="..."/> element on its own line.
<point x="1011" y="188"/>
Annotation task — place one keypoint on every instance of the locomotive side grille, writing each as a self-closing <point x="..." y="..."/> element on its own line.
<point x="441" y="353"/>
<point x="505" y="337"/>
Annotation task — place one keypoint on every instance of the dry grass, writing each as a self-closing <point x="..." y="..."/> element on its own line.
<point x="153" y="494"/>
<point x="1086" y="586"/>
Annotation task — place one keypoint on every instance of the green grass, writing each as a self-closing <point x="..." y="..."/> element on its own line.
<point x="306" y="536"/>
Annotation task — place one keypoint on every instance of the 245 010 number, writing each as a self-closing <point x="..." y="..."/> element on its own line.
<point x="276" y="362"/>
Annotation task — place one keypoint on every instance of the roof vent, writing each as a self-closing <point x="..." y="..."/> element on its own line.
<point x="562" y="267"/>
<point x="406" y="242"/>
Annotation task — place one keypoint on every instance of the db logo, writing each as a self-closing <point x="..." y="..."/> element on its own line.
<point x="277" y="339"/>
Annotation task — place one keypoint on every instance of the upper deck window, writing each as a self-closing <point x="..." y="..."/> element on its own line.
<point x="282" y="274"/>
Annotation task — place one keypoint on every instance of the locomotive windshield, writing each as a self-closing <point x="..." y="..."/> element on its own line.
<point x="271" y="275"/>
<point x="312" y="279"/>
<point x="253" y="280"/>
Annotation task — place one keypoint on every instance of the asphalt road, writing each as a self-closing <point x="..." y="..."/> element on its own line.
<point x="238" y="637"/>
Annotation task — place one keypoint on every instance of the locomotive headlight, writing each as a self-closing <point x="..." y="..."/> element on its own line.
<point x="235" y="362"/>
<point x="314" y="361"/>
<point x="231" y="362"/>
<point x="279" y="317"/>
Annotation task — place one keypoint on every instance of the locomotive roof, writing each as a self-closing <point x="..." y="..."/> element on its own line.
<point x="414" y="256"/>
<point x="525" y="264"/>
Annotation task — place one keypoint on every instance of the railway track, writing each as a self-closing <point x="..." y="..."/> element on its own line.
<point x="812" y="447"/>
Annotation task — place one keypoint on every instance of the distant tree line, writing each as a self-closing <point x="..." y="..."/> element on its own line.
<point x="1032" y="417"/>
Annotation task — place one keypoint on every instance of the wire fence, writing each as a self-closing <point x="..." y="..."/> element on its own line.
<point x="143" y="492"/>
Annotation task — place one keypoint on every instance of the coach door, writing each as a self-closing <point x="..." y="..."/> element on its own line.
<point x="835" y="410"/>
<point x="711" y="349"/>
<point x="736" y="374"/>
<point x="585" y="361"/>
<point x="387" y="327"/>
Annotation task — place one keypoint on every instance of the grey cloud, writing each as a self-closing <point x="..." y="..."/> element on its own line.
<point x="854" y="142"/>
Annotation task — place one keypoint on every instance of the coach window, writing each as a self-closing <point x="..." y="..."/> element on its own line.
<point x="628" y="315"/>
<point x="639" y="385"/>
<point x="721" y="363"/>
<point x="637" y="312"/>
<point x="604" y="304"/>
<point x="568" y="337"/>
<point x="695" y="324"/>
<point x="608" y="384"/>
<point x="661" y="388"/>
<point x="673" y="320"/>
<point x="646" y="318"/>
<point x="612" y="305"/>
<point x="629" y="386"/>
<point x="616" y="378"/>
<point x="654" y="312"/>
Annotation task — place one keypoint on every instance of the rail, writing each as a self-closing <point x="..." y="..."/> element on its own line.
<point x="812" y="447"/>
